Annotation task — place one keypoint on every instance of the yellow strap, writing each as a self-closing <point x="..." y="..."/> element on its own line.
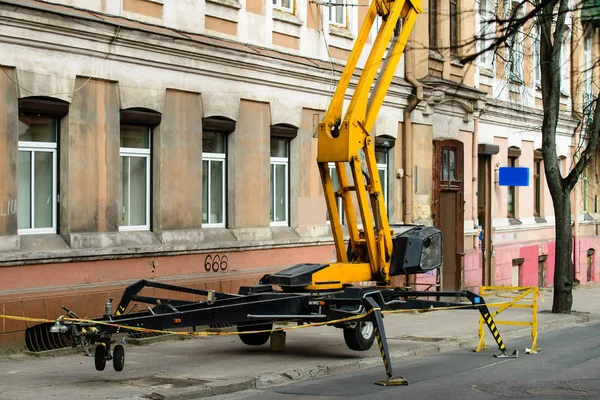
<point x="204" y="333"/>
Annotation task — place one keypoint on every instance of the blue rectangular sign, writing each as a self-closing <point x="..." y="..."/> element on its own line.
<point x="513" y="176"/>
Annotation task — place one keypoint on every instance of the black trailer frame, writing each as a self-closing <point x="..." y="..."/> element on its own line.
<point x="253" y="310"/>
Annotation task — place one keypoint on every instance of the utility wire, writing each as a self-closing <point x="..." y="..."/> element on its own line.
<point x="70" y="94"/>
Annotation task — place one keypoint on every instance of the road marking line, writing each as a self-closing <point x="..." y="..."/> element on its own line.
<point x="490" y="365"/>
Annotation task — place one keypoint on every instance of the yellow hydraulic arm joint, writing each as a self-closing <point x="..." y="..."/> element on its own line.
<point x="347" y="142"/>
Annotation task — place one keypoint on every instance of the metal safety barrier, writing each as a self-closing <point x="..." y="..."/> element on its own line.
<point x="521" y="297"/>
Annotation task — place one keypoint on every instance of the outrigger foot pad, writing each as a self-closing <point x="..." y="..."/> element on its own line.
<point x="399" y="381"/>
<point x="505" y="354"/>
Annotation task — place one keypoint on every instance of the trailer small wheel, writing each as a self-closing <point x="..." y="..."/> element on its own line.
<point x="255" y="339"/>
<point x="361" y="336"/>
<point x="100" y="357"/>
<point x="118" y="358"/>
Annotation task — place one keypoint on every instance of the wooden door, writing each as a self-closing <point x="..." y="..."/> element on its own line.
<point x="448" y="209"/>
<point x="484" y="209"/>
<point x="448" y="200"/>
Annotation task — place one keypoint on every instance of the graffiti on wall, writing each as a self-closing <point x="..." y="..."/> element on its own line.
<point x="8" y="208"/>
<point x="422" y="206"/>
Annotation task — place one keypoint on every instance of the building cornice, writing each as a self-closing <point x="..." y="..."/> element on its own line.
<point x="511" y="115"/>
<point x="160" y="47"/>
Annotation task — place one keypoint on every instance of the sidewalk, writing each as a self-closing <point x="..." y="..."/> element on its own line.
<point x="200" y="367"/>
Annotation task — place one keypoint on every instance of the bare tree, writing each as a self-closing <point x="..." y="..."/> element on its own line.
<point x="550" y="18"/>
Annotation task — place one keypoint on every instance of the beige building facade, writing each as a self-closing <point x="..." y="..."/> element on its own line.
<point x="176" y="141"/>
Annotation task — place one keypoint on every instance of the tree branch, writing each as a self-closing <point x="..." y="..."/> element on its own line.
<point x="588" y="152"/>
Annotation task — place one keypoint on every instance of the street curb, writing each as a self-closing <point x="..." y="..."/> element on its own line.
<point x="425" y="348"/>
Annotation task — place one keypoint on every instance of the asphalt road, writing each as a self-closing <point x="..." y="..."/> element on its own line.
<point x="568" y="367"/>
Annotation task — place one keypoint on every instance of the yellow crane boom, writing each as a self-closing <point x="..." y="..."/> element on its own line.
<point x="349" y="140"/>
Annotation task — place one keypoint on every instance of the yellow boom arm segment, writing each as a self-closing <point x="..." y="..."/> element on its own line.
<point x="348" y="140"/>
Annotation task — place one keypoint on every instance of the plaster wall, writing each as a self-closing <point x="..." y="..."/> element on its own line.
<point x="9" y="137"/>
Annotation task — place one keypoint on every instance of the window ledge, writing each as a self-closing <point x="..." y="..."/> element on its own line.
<point x="227" y="3"/>
<point x="523" y="227"/>
<point x="454" y="60"/>
<point x="486" y="71"/>
<point x="340" y="31"/>
<point x="514" y="221"/>
<point x="472" y="232"/>
<point x="285" y="16"/>
<point x="54" y="249"/>
<point x="436" y="55"/>
<point x="515" y="83"/>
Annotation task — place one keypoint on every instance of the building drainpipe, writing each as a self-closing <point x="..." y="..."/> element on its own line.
<point x="576" y="245"/>
<point x="407" y="143"/>
<point x="475" y="169"/>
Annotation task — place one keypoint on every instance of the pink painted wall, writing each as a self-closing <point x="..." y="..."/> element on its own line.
<point x="472" y="270"/>
<point x="504" y="257"/>
<point x="426" y="279"/>
<point x="499" y="193"/>
<point x="528" y="271"/>
<point x="584" y="244"/>
<point x="114" y="272"/>
<point x="550" y="250"/>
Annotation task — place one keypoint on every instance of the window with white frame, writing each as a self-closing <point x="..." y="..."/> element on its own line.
<point x="433" y="24"/>
<point x="561" y="161"/>
<point x="454" y="39"/>
<point x="37" y="174"/>
<point x="537" y="183"/>
<point x="383" y="147"/>
<point x="515" y="46"/>
<point x="134" y="188"/>
<point x="337" y="12"/>
<point x="587" y="75"/>
<point x="487" y="32"/>
<point x="280" y="149"/>
<point x="565" y="59"/>
<point x="535" y="56"/>
<point x="213" y="178"/>
<point x="381" y="156"/>
<point x="336" y="186"/>
<point x="585" y="190"/>
<point x="286" y="5"/>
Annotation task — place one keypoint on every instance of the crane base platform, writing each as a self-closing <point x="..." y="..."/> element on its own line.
<point x="358" y="311"/>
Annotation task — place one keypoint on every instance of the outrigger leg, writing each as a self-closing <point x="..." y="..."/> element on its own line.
<point x="489" y="321"/>
<point x="372" y="306"/>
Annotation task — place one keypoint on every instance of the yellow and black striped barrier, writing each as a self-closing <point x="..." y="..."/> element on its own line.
<point x="521" y="297"/>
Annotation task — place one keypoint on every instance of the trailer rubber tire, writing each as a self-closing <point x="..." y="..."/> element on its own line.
<point x="361" y="337"/>
<point x="100" y="357"/>
<point x="118" y="358"/>
<point x="255" y="339"/>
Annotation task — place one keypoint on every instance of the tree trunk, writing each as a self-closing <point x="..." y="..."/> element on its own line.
<point x="563" y="264"/>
